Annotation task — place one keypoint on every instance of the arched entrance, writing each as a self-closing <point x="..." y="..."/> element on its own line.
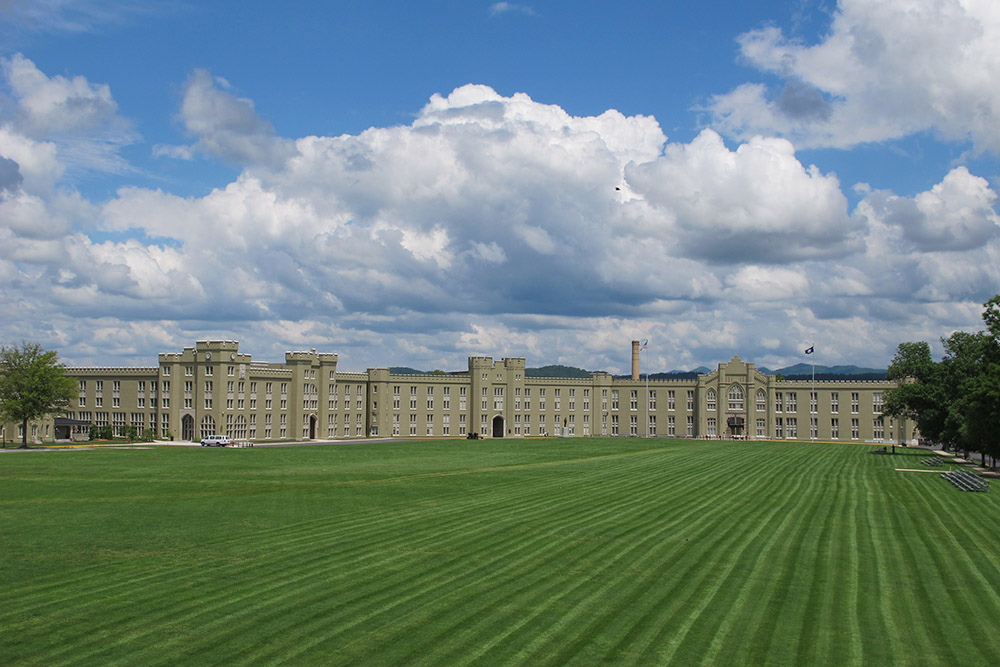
<point x="187" y="428"/>
<point x="498" y="427"/>
<point x="312" y="427"/>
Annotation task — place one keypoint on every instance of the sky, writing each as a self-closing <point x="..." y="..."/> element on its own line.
<point x="410" y="184"/>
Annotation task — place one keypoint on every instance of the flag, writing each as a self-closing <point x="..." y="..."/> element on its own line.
<point x="809" y="350"/>
<point x="643" y="346"/>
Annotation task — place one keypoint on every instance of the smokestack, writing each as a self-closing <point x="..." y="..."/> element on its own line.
<point x="635" y="360"/>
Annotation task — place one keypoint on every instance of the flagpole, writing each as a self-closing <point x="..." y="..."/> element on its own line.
<point x="813" y="394"/>
<point x="647" y="402"/>
<point x="641" y="348"/>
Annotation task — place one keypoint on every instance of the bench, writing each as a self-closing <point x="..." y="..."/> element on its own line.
<point x="967" y="481"/>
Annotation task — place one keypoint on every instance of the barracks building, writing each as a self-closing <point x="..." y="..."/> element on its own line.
<point x="214" y="388"/>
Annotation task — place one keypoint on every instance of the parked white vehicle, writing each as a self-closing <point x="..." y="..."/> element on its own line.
<point x="216" y="441"/>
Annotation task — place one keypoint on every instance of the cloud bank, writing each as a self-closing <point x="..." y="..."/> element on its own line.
<point x="884" y="70"/>
<point x="489" y="225"/>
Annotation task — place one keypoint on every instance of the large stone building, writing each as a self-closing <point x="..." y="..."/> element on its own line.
<point x="215" y="388"/>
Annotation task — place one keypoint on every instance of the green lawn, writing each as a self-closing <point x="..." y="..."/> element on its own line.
<point x="578" y="551"/>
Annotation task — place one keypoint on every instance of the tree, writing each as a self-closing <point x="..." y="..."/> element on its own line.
<point x="918" y="396"/>
<point x="956" y="401"/>
<point x="33" y="384"/>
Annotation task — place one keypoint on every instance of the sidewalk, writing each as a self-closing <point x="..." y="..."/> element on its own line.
<point x="978" y="469"/>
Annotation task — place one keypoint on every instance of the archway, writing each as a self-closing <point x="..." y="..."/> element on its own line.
<point x="498" y="427"/>
<point x="312" y="427"/>
<point x="187" y="428"/>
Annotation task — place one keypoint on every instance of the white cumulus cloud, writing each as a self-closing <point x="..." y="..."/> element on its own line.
<point x="884" y="70"/>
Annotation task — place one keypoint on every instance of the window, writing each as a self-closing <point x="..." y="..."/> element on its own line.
<point x="671" y="425"/>
<point x="165" y="371"/>
<point x="189" y="370"/>
<point x="690" y="403"/>
<point x="877" y="402"/>
<point x="604" y="400"/>
<point x="834" y="428"/>
<point x="614" y="399"/>
<point x="413" y="398"/>
<point x="230" y="371"/>
<point x="650" y="425"/>
<point x="690" y="425"/>
<point x="652" y="399"/>
<point x="446" y="399"/>
<point x="779" y="427"/>
<point x="498" y="398"/>
<point x="813" y="402"/>
<point x="712" y="428"/>
<point x="779" y="399"/>
<point x="710" y="400"/>
<point x="736" y="398"/>
<point x="761" y="427"/>
<point x="761" y="401"/>
<point x="791" y="402"/>
<point x="209" y="371"/>
<point x="430" y="399"/>
<point x="527" y="400"/>
<point x="541" y="399"/>
<point x="614" y="424"/>
<point x="792" y="427"/>
<point x="633" y="425"/>
<point x="813" y="428"/>
<point x="855" y="402"/>
<point x="462" y="398"/>
<point x="879" y="428"/>
<point x="855" y="429"/>
<point x="207" y="426"/>
<point x="834" y="402"/>
<point x="671" y="400"/>
<point x="633" y="400"/>
<point x="572" y="400"/>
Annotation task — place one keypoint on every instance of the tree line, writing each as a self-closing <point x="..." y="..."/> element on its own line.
<point x="954" y="402"/>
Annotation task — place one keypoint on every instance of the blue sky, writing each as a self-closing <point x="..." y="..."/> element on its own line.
<point x="413" y="183"/>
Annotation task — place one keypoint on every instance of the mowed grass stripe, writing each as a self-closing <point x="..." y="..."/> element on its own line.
<point x="960" y="569"/>
<point x="579" y="562"/>
<point x="692" y="626"/>
<point x="759" y="596"/>
<point x="308" y="535"/>
<point x="635" y="593"/>
<point x="293" y="594"/>
<point x="204" y="610"/>
<point x="669" y="519"/>
<point x="590" y="560"/>
<point x="703" y="513"/>
<point x="451" y="585"/>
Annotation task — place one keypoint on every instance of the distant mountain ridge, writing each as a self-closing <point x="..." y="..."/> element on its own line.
<point x="795" y="372"/>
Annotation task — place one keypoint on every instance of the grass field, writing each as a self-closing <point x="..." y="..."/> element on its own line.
<point x="581" y="551"/>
